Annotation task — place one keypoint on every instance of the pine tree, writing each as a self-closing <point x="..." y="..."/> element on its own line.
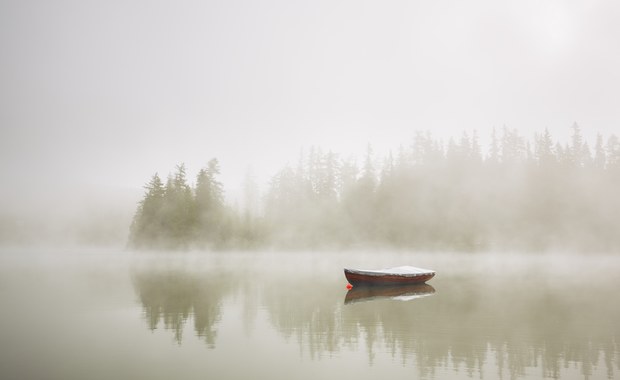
<point x="146" y="227"/>
<point x="359" y="202"/>
<point x="452" y="153"/>
<point x="476" y="150"/>
<point x="327" y="177"/>
<point x="599" y="153"/>
<point x="348" y="176"/>
<point x="178" y="215"/>
<point x="587" y="160"/>
<point x="613" y="152"/>
<point x="248" y="230"/>
<point x="575" y="151"/>
<point x="543" y="149"/>
<point x="513" y="147"/>
<point x="494" y="150"/>
<point x="464" y="147"/>
<point x="387" y="171"/>
<point x="368" y="180"/>
<point x="209" y="204"/>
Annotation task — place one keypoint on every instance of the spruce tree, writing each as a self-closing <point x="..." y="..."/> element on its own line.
<point x="600" y="157"/>
<point x="177" y="210"/>
<point x="146" y="227"/>
<point x="209" y="204"/>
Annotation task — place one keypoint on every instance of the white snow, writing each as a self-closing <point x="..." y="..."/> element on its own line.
<point x="401" y="270"/>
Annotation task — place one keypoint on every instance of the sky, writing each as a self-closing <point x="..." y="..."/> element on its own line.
<point x="96" y="96"/>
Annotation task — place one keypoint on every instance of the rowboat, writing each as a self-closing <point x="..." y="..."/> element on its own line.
<point x="392" y="276"/>
<point x="393" y="292"/>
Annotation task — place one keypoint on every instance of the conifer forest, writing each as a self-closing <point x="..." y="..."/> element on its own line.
<point x="516" y="193"/>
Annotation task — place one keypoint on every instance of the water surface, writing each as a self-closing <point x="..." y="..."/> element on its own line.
<point x="79" y="314"/>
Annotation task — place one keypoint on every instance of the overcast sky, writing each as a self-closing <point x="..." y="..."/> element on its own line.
<point x="105" y="93"/>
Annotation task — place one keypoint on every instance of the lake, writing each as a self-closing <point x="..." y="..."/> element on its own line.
<point x="103" y="314"/>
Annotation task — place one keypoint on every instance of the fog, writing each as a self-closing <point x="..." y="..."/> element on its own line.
<point x="164" y="315"/>
<point x="96" y="97"/>
<point x="523" y="195"/>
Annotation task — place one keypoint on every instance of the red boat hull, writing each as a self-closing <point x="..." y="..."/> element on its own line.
<point x="356" y="278"/>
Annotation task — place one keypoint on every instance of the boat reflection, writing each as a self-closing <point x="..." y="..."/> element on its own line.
<point x="395" y="292"/>
<point x="471" y="325"/>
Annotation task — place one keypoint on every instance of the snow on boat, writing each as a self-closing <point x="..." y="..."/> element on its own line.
<point x="394" y="292"/>
<point x="393" y="276"/>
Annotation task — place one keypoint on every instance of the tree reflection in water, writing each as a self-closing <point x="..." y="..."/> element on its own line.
<point x="518" y="327"/>
<point x="172" y="296"/>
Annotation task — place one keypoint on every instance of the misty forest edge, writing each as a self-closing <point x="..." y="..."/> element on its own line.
<point x="519" y="195"/>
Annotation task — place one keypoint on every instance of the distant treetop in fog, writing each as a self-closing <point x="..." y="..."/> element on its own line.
<point x="518" y="194"/>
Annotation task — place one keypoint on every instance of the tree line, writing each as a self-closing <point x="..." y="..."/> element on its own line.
<point x="175" y="215"/>
<point x="520" y="194"/>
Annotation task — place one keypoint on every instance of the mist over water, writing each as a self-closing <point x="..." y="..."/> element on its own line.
<point x="183" y="182"/>
<point x="514" y="194"/>
<point x="77" y="314"/>
<point x="96" y="98"/>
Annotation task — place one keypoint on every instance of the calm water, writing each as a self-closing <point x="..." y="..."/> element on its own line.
<point x="102" y="315"/>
